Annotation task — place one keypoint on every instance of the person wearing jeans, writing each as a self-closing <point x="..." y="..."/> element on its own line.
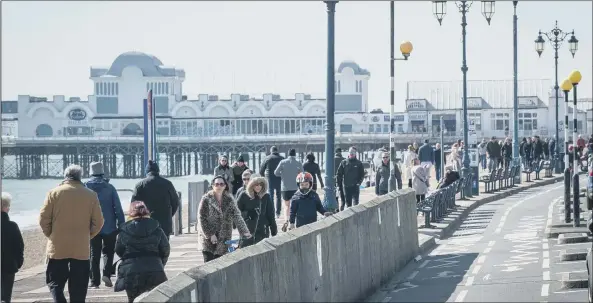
<point x="113" y="215"/>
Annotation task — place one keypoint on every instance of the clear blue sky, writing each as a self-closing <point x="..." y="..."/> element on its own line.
<point x="280" y="47"/>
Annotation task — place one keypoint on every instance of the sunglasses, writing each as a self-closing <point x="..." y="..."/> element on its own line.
<point x="385" y="157"/>
<point x="223" y="160"/>
<point x="219" y="184"/>
<point x="246" y="179"/>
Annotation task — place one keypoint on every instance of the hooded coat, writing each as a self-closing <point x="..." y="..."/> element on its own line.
<point x="217" y="219"/>
<point x="227" y="173"/>
<point x="257" y="209"/>
<point x="113" y="214"/>
<point x="238" y="173"/>
<point x="313" y="168"/>
<point x="144" y="249"/>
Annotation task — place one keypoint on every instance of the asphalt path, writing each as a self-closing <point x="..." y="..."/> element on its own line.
<point x="498" y="254"/>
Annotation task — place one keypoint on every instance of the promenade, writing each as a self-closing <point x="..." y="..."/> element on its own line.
<point x="186" y="253"/>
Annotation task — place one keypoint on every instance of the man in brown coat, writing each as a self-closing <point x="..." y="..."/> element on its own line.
<point x="70" y="217"/>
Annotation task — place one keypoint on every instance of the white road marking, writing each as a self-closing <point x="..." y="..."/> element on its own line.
<point x="469" y="281"/>
<point x="387" y="299"/>
<point x="546" y="276"/>
<point x="423" y="263"/>
<point x="487" y="250"/>
<point x="546" y="254"/>
<point x="413" y="275"/>
<point x="545" y="246"/>
<point x="491" y="243"/>
<point x="461" y="296"/>
<point x="476" y="269"/>
<point x="546" y="264"/>
<point x="497" y="231"/>
<point x="560" y="292"/>
<point x="481" y="259"/>
<point x="545" y="290"/>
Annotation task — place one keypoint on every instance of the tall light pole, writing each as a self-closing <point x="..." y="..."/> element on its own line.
<point x="440" y="10"/>
<point x="516" y="153"/>
<point x="330" y="183"/>
<point x="566" y="87"/>
<point x="405" y="48"/>
<point x="556" y="36"/>
<point x="575" y="78"/>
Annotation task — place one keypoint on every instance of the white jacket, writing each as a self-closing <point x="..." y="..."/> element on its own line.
<point x="409" y="162"/>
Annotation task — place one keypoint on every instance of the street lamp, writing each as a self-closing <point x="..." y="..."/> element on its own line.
<point x="330" y="183"/>
<point x="516" y="143"/>
<point x="575" y="78"/>
<point x="556" y="36"/>
<point x="405" y="48"/>
<point x="440" y="10"/>
<point x="566" y="86"/>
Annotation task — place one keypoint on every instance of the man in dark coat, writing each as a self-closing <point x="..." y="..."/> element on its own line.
<point x="238" y="168"/>
<point x="339" y="188"/>
<point x="159" y="195"/>
<point x="351" y="176"/>
<point x="267" y="169"/>
<point x="383" y="174"/>
<point x="13" y="249"/>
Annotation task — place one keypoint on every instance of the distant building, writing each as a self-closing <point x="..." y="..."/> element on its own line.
<point x="115" y="107"/>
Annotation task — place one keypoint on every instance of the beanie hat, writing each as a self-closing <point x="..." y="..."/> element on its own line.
<point x="240" y="158"/>
<point x="338" y="150"/>
<point x="273" y="149"/>
<point x="152" y="167"/>
<point x="292" y="152"/>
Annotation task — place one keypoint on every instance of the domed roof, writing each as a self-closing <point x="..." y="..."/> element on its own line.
<point x="150" y="65"/>
<point x="354" y="66"/>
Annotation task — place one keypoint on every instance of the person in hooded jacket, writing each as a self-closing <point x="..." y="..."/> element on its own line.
<point x="528" y="151"/>
<point x="223" y="169"/>
<point x="338" y="158"/>
<point x="113" y="217"/>
<point x="159" y="195"/>
<point x="351" y="174"/>
<point x="144" y="249"/>
<point x="246" y="177"/>
<point x="267" y="169"/>
<point x="238" y="168"/>
<point x="257" y="209"/>
<point x="217" y="213"/>
<point x="313" y="168"/>
<point x="382" y="176"/>
<point x="13" y="249"/>
<point x="305" y="204"/>
<point x="507" y="152"/>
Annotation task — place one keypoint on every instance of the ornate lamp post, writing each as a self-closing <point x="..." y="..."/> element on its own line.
<point x="575" y="78"/>
<point x="556" y="37"/>
<point x="405" y="48"/>
<point x="330" y="191"/>
<point x="440" y="10"/>
<point x="516" y="143"/>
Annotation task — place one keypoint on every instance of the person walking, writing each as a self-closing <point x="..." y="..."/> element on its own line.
<point x="159" y="195"/>
<point x="384" y="172"/>
<point x="69" y="218"/>
<point x="223" y="169"/>
<point x="438" y="161"/>
<point x="426" y="156"/>
<point x="351" y="176"/>
<point x="113" y="215"/>
<point x="409" y="158"/>
<point x="305" y="204"/>
<point x="507" y="152"/>
<point x="493" y="152"/>
<point x="528" y="152"/>
<point x="482" y="153"/>
<point x="267" y="169"/>
<point x="313" y="168"/>
<point x="245" y="177"/>
<point x="13" y="249"/>
<point x="257" y="209"/>
<point x="287" y="170"/>
<point x="419" y="180"/>
<point x="339" y="188"/>
<point x="218" y="211"/>
<point x="144" y="250"/>
<point x="238" y="168"/>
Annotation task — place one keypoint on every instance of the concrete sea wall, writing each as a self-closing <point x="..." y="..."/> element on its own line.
<point x="342" y="258"/>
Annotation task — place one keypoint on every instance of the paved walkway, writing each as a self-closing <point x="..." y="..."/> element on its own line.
<point x="185" y="254"/>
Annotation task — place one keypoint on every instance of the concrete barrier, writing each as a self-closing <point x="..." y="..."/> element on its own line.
<point x="342" y="258"/>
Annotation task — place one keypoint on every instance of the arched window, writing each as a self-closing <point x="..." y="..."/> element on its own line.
<point x="131" y="129"/>
<point x="44" y="130"/>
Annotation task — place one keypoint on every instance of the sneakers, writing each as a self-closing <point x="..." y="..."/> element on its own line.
<point x="91" y="285"/>
<point x="107" y="281"/>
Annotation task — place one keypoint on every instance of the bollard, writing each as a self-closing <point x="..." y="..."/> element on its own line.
<point x="576" y="204"/>
<point x="566" y="195"/>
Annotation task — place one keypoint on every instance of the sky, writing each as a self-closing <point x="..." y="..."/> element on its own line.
<point x="280" y="47"/>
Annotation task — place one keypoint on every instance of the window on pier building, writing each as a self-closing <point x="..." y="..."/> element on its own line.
<point x="185" y="128"/>
<point x="161" y="105"/>
<point x="477" y="119"/>
<point x="338" y="86"/>
<point x="44" y="130"/>
<point x="10" y="107"/>
<point x="107" y="105"/>
<point x="500" y="121"/>
<point x="345" y="128"/>
<point x="527" y="121"/>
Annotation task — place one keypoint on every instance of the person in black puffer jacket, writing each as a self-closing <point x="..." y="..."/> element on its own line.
<point x="313" y="168"/>
<point x="257" y="210"/>
<point x="159" y="195"/>
<point x="267" y="168"/>
<point x="144" y="249"/>
<point x="305" y="203"/>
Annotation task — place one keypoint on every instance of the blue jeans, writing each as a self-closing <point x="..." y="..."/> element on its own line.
<point x="483" y="161"/>
<point x="274" y="184"/>
<point x="437" y="170"/>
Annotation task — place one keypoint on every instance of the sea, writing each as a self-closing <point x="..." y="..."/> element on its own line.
<point x="28" y="195"/>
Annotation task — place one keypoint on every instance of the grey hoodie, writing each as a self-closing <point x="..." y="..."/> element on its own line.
<point x="287" y="170"/>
